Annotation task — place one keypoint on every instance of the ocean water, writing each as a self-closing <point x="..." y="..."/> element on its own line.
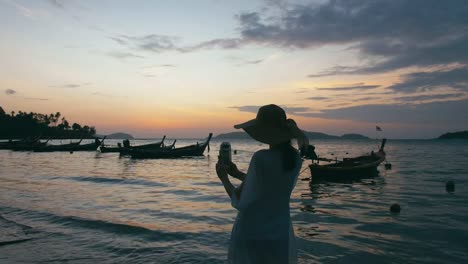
<point x="90" y="207"/>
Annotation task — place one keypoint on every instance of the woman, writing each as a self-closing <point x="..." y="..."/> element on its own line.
<point x="262" y="232"/>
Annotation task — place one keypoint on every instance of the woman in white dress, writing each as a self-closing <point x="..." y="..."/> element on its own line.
<point x="263" y="232"/>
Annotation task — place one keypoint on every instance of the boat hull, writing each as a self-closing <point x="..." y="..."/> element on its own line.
<point x="171" y="153"/>
<point x="348" y="169"/>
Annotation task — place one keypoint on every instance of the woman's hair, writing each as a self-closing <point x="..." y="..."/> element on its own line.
<point x="288" y="153"/>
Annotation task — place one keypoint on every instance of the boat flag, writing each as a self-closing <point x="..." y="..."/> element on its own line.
<point x="377" y="128"/>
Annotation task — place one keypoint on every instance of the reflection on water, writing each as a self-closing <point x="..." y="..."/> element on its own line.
<point x="98" y="207"/>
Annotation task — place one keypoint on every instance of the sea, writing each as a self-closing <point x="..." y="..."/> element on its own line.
<point x="92" y="207"/>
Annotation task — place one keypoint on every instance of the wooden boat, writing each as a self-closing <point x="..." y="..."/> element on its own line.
<point x="70" y="147"/>
<point x="119" y="148"/>
<point x="170" y="153"/>
<point x="127" y="148"/>
<point x="10" y="143"/>
<point x="171" y="146"/>
<point x="27" y="145"/>
<point x="126" y="144"/>
<point x="348" y="168"/>
<point x="90" y="146"/>
<point x="107" y="149"/>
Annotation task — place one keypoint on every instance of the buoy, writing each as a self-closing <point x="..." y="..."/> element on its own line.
<point x="388" y="166"/>
<point x="235" y="151"/>
<point x="395" y="208"/>
<point x="450" y="186"/>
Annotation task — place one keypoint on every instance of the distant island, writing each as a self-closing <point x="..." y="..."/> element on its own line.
<point x="455" y="135"/>
<point x="118" y="135"/>
<point x="310" y="135"/>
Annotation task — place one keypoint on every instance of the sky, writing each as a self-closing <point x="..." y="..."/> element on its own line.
<point x="184" y="68"/>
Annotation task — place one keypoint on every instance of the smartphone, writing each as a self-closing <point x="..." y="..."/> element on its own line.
<point x="225" y="155"/>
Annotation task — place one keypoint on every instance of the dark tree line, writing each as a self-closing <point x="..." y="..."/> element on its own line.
<point x="455" y="135"/>
<point x="21" y="125"/>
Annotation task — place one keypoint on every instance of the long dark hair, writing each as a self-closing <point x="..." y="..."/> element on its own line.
<point x="288" y="153"/>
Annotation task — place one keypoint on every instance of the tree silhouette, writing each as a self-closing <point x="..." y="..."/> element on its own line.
<point x="23" y="124"/>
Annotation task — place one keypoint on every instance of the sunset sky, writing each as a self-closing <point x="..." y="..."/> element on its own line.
<point x="186" y="68"/>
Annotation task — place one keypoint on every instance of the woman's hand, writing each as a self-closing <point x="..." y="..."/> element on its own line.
<point x="232" y="169"/>
<point x="235" y="172"/>
<point x="221" y="170"/>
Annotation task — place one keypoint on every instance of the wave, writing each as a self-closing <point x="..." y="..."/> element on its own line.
<point x="118" y="228"/>
<point x="73" y="222"/>
<point x="105" y="180"/>
<point x="5" y="243"/>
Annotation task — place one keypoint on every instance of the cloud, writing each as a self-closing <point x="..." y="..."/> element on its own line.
<point x="340" y="105"/>
<point x="242" y="61"/>
<point x="302" y="90"/>
<point x="25" y="11"/>
<point x="290" y="110"/>
<point x="359" y="86"/>
<point x="162" y="43"/>
<point x="387" y="35"/>
<point x="124" y="55"/>
<point x="318" y="98"/>
<point x="253" y="62"/>
<point x="159" y="66"/>
<point x="435" y="113"/>
<point x="399" y="33"/>
<point x="10" y="92"/>
<point x="228" y="43"/>
<point x="337" y="70"/>
<point x="57" y="3"/>
<point x="71" y="85"/>
<point x="364" y="99"/>
<point x="149" y="75"/>
<point x="450" y="112"/>
<point x="36" y="99"/>
<point x="119" y="40"/>
<point x="427" y="97"/>
<point x="427" y="81"/>
<point x="102" y="94"/>
<point x="106" y="95"/>
<point x="151" y="42"/>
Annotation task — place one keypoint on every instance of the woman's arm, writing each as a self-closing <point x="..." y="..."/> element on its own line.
<point x="222" y="171"/>
<point x="235" y="172"/>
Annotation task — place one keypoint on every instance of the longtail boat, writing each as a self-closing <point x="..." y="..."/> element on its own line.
<point x="52" y="148"/>
<point x="107" y="149"/>
<point x="10" y="143"/>
<point x="120" y="148"/>
<point x="169" y="153"/>
<point x="71" y="147"/>
<point x="127" y="148"/>
<point x="90" y="146"/>
<point x="348" y="168"/>
<point x="171" y="146"/>
<point x="145" y="146"/>
<point x="27" y="145"/>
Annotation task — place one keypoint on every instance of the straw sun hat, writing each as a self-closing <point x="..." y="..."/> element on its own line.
<point x="271" y="126"/>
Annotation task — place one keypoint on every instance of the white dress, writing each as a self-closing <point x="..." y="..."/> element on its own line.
<point x="262" y="232"/>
